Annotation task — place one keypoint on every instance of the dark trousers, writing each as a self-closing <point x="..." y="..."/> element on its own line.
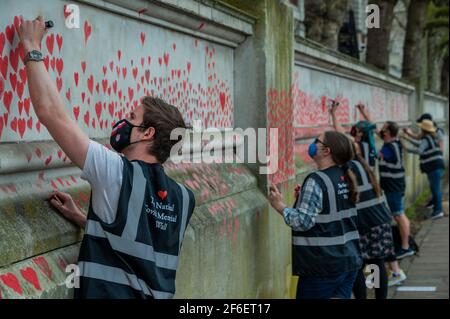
<point x="435" y="180"/>
<point x="337" y="286"/>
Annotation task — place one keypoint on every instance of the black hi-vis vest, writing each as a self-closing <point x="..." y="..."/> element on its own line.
<point x="136" y="256"/>
<point x="331" y="246"/>
<point x="392" y="174"/>
<point x="372" y="210"/>
<point x="432" y="158"/>
<point x="367" y="154"/>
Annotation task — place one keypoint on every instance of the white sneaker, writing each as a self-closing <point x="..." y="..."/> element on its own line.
<point x="396" y="279"/>
<point x="437" y="216"/>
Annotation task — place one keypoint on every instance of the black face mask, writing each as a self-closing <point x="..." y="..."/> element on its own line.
<point x="382" y="134"/>
<point x="121" y="134"/>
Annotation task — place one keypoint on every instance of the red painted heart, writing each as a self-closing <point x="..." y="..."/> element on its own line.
<point x="10" y="32"/>
<point x="75" y="77"/>
<point x="98" y="109"/>
<point x="14" y="58"/>
<point x="90" y="83"/>
<point x="76" y="112"/>
<point x="87" y="32"/>
<point x="1" y="126"/>
<point x="86" y="118"/>
<point x="4" y="66"/>
<point x="30" y="123"/>
<point x="166" y="59"/>
<point x="21" y="124"/>
<point x="26" y="105"/>
<point x="10" y="280"/>
<point x="59" y="65"/>
<point x="30" y="275"/>
<point x="59" y="41"/>
<point x="50" y="41"/>
<point x="2" y="42"/>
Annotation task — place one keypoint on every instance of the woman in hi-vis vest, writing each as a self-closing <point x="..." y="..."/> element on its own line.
<point x="431" y="162"/>
<point x="325" y="239"/>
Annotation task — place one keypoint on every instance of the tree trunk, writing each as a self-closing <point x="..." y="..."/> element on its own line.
<point x="378" y="38"/>
<point x="444" y="77"/>
<point x="315" y="11"/>
<point x="412" y="50"/>
<point x="337" y="12"/>
<point x="324" y="19"/>
<point x="436" y="36"/>
<point x="435" y="61"/>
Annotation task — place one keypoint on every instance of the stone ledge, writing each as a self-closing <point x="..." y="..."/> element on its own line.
<point x="216" y="22"/>
<point x="29" y="226"/>
<point x="39" y="277"/>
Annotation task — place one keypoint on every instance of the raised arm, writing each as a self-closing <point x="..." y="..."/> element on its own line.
<point x="411" y="134"/>
<point x="362" y="108"/>
<point x="336" y="125"/>
<point x="46" y="100"/>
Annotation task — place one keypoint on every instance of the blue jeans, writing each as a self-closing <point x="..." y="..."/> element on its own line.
<point x="434" y="179"/>
<point x="395" y="203"/>
<point x="337" y="286"/>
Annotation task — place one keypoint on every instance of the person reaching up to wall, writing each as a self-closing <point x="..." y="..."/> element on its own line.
<point x="361" y="133"/>
<point x="440" y="133"/>
<point x="392" y="182"/>
<point x="128" y="250"/>
<point x="374" y="224"/>
<point x="431" y="162"/>
<point x="325" y="239"/>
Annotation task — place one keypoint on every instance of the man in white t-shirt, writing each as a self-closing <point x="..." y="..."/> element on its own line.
<point x="138" y="215"/>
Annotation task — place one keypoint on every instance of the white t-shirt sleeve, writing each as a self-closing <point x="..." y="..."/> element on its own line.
<point x="103" y="169"/>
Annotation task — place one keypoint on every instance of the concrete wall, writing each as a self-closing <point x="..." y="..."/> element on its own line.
<point x="321" y="75"/>
<point x="229" y="64"/>
<point x="182" y="52"/>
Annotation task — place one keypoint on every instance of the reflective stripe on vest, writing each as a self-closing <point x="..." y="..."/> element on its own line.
<point x="135" y="249"/>
<point x="371" y="202"/>
<point x="432" y="159"/>
<point x="334" y="215"/>
<point x="365" y="186"/>
<point x="433" y="148"/>
<point x="325" y="241"/>
<point x="184" y="214"/>
<point x="135" y="203"/>
<point x="392" y="175"/>
<point x="366" y="151"/>
<point x="397" y="165"/>
<point x="119" y="276"/>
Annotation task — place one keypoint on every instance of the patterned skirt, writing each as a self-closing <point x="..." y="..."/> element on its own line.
<point x="377" y="242"/>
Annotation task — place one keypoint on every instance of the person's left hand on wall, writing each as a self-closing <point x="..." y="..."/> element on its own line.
<point x="276" y="199"/>
<point x="65" y="204"/>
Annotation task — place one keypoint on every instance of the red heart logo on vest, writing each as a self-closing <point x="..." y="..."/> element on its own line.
<point x="162" y="194"/>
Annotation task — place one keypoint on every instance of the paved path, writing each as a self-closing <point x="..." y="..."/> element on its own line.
<point x="431" y="267"/>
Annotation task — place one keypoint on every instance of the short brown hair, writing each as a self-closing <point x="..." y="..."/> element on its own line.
<point x="393" y="128"/>
<point x="164" y="118"/>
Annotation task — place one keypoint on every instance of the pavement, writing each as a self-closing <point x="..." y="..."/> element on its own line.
<point x="429" y="270"/>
